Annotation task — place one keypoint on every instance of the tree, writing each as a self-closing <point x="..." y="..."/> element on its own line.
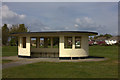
<point x="14" y="29"/>
<point x="18" y="28"/>
<point x="14" y="40"/>
<point x="108" y="36"/>
<point x="95" y="37"/>
<point x="105" y="35"/>
<point x="101" y="35"/>
<point x="5" y="34"/>
<point x="22" y="28"/>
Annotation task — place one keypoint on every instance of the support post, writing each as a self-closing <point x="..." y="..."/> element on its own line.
<point x="61" y="45"/>
<point x="20" y="42"/>
<point x="51" y="42"/>
<point x="73" y="42"/>
<point x="45" y="43"/>
<point x="28" y="45"/>
<point x="38" y="42"/>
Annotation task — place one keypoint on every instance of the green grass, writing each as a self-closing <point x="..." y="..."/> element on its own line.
<point x="101" y="69"/>
<point x="6" y="61"/>
<point x="12" y="50"/>
<point x="9" y="51"/>
<point x="104" y="51"/>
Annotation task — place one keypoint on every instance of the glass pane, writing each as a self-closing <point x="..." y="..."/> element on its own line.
<point x="45" y="42"/>
<point x="41" y="42"/>
<point x="67" y="42"/>
<point x="77" y="42"/>
<point x="55" y="42"/>
<point x="33" y="43"/>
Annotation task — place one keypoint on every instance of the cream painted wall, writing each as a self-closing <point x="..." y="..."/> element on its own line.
<point x="24" y="51"/>
<point x="81" y="52"/>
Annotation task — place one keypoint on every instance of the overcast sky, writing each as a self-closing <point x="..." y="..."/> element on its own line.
<point x="86" y="16"/>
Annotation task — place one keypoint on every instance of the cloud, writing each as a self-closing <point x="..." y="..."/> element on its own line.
<point x="9" y="25"/>
<point x="100" y="17"/>
<point x="10" y="17"/>
<point x="85" y="22"/>
<point x="78" y="20"/>
<point x="76" y="25"/>
<point x="88" y="20"/>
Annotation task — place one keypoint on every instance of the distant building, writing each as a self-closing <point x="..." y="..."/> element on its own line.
<point x="101" y="39"/>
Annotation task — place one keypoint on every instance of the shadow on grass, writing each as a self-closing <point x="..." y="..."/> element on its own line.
<point x="89" y="57"/>
<point x="94" y="57"/>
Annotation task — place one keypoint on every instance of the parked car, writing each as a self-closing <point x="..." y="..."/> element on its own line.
<point x="95" y="43"/>
<point x="91" y="43"/>
<point x="101" y="42"/>
<point x="111" y="42"/>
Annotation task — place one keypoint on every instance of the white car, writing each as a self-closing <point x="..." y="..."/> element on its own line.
<point x="110" y="42"/>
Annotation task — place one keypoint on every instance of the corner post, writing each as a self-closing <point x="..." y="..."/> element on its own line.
<point x="73" y="44"/>
<point x="28" y="45"/>
<point x="51" y="42"/>
<point x="61" y="45"/>
<point x="38" y="42"/>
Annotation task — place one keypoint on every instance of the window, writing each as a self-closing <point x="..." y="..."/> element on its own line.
<point x="24" y="42"/>
<point x="77" y="42"/>
<point x="55" y="42"/>
<point x="33" y="43"/>
<point x="67" y="42"/>
<point x="45" y="42"/>
<point x="41" y="42"/>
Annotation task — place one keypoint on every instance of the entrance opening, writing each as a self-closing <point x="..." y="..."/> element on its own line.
<point x="48" y="47"/>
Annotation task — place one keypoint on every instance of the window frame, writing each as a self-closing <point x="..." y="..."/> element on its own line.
<point x="31" y="41"/>
<point x="40" y="42"/>
<point x="67" y="42"/>
<point x="80" y="42"/>
<point x="48" y="46"/>
<point x="57" y="43"/>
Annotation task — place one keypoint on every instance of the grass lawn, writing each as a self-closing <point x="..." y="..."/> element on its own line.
<point x="101" y="69"/>
<point x="6" y="61"/>
<point x="9" y="51"/>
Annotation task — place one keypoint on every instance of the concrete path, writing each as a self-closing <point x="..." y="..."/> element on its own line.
<point x="22" y="61"/>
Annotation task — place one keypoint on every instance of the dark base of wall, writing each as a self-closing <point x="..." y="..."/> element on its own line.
<point x="34" y="57"/>
<point x="61" y="58"/>
<point x="68" y="58"/>
<point x="64" y="58"/>
<point x="24" y="56"/>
